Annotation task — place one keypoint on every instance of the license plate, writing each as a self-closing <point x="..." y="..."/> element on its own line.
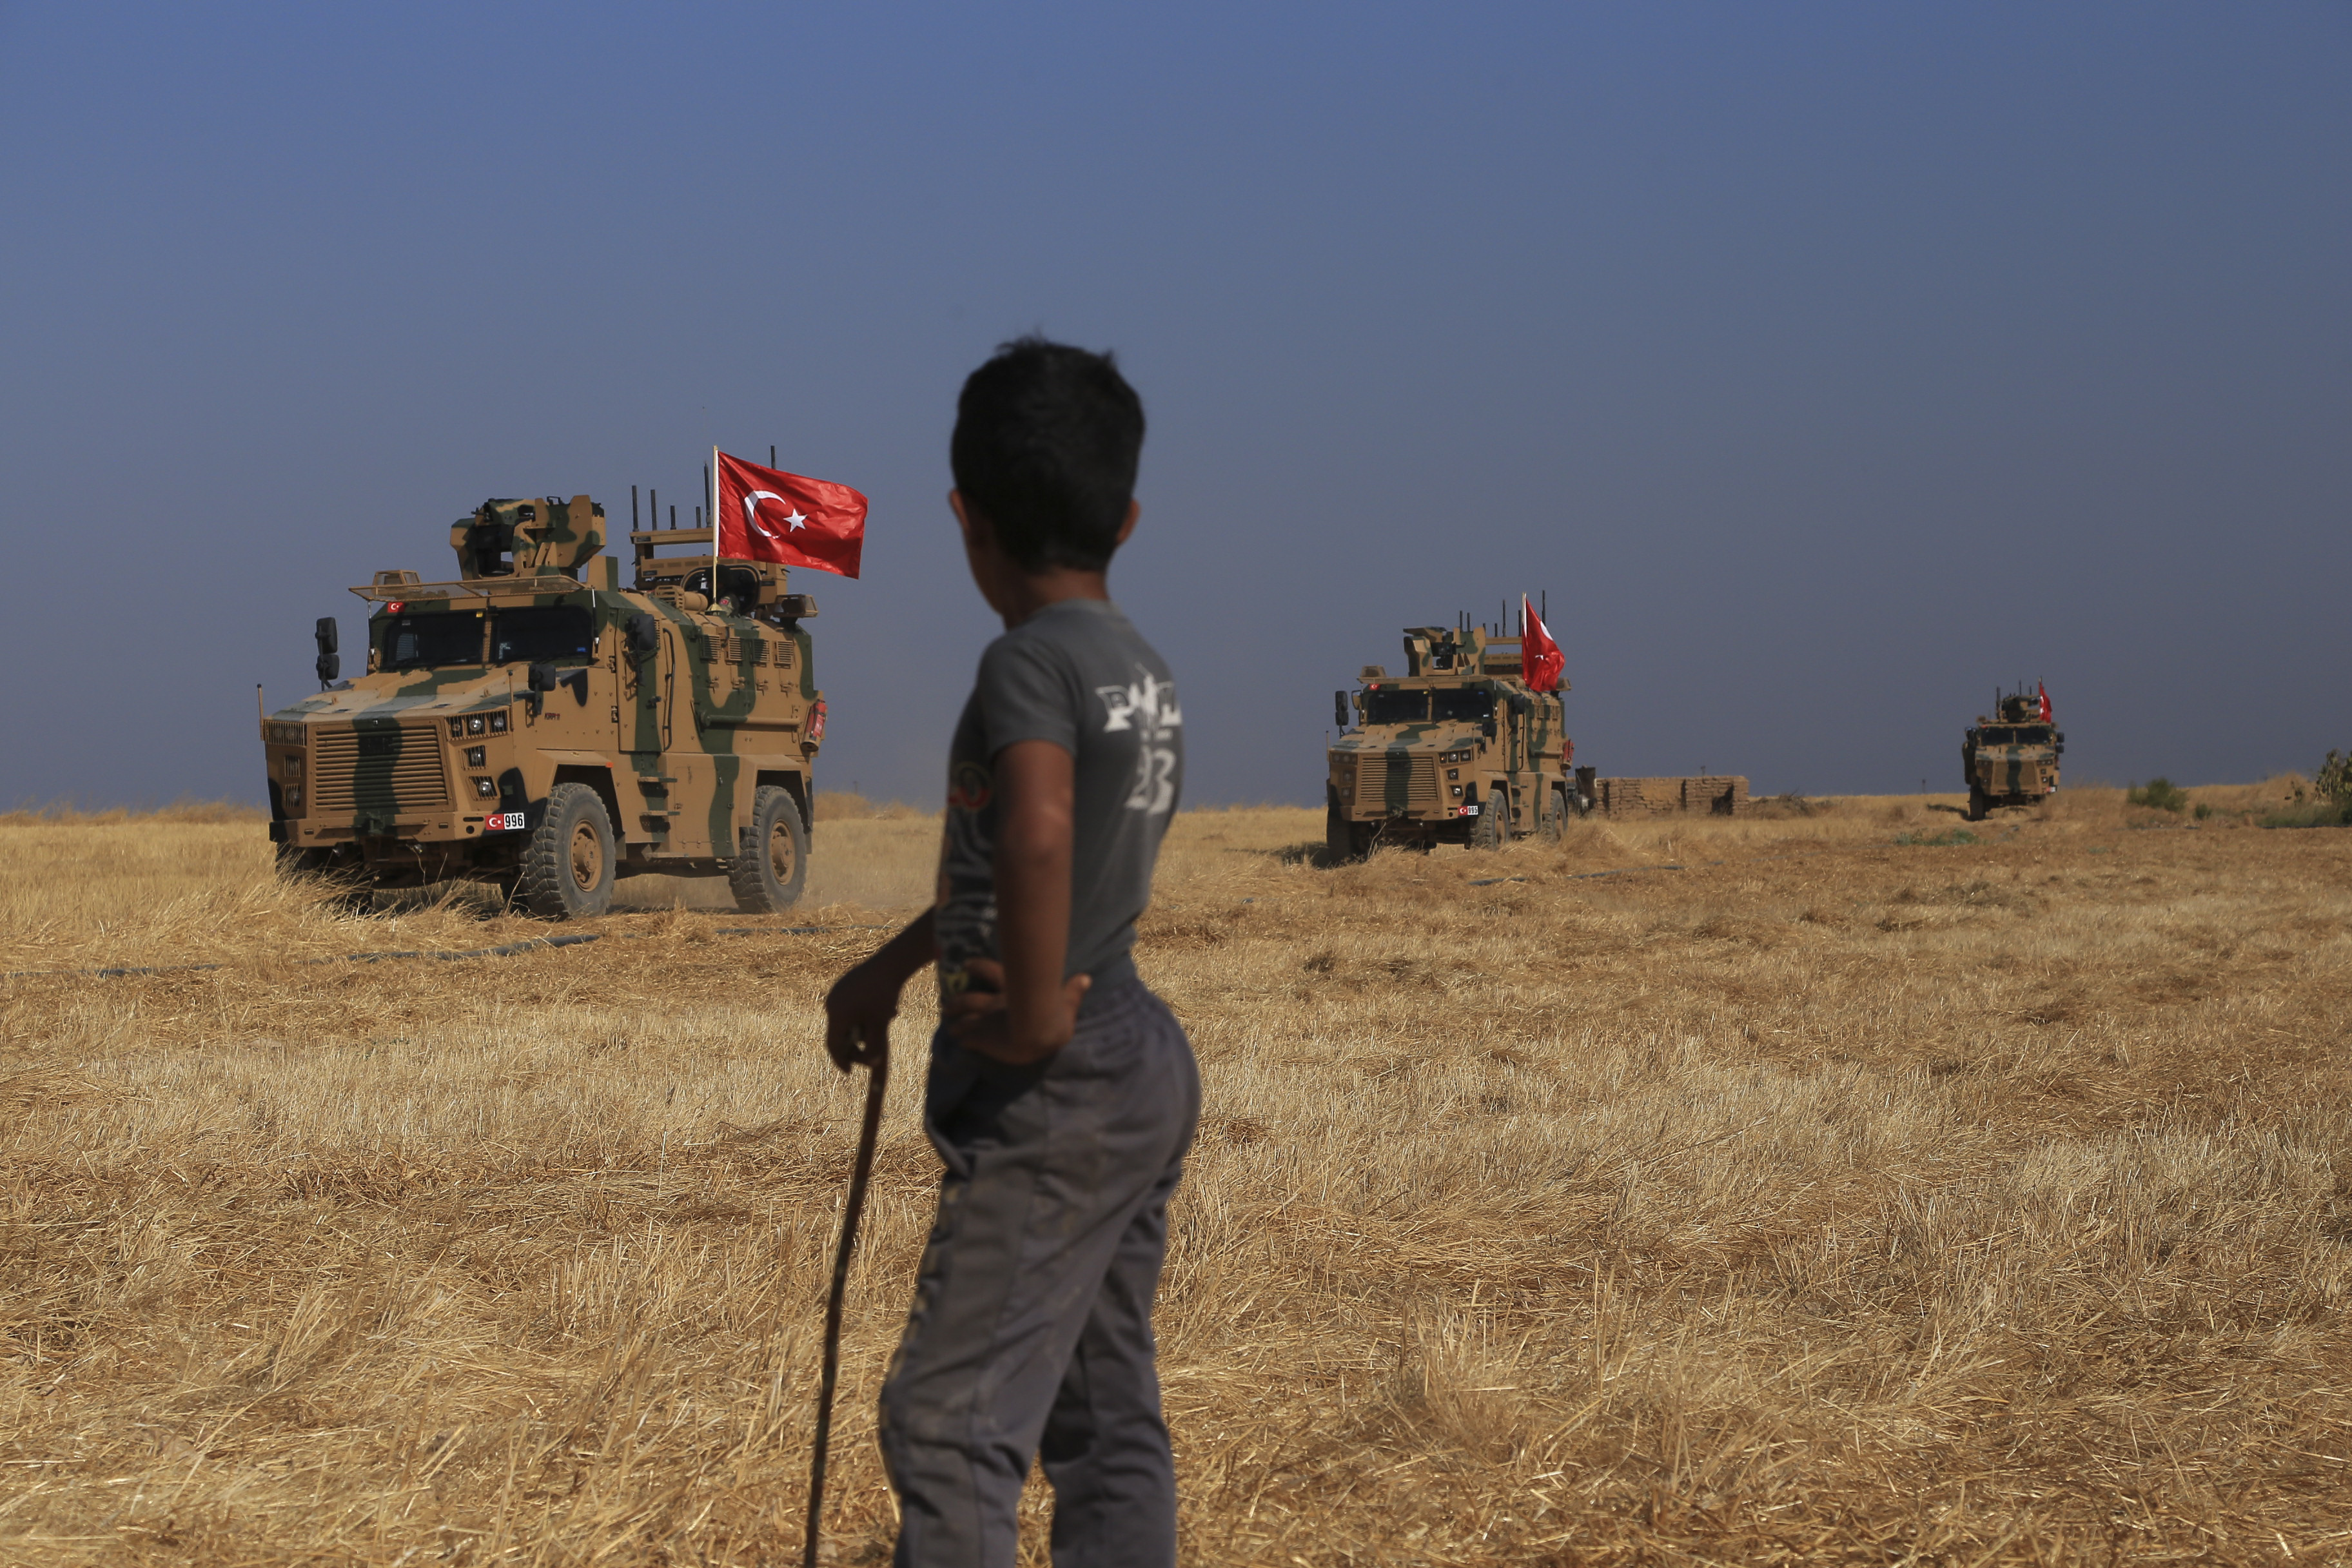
<point x="503" y="822"/>
<point x="1469" y="811"/>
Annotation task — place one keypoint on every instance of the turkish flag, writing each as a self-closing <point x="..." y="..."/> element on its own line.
<point x="2045" y="700"/>
<point x="1539" y="657"/>
<point x="766" y="514"/>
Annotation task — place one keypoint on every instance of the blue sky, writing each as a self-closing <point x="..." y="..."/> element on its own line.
<point x="1826" y="364"/>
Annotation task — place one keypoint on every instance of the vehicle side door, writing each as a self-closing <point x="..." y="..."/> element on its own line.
<point x="646" y="654"/>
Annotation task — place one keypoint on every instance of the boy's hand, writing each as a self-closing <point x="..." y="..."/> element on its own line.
<point x="978" y="1020"/>
<point x="860" y="1008"/>
<point x="858" y="1014"/>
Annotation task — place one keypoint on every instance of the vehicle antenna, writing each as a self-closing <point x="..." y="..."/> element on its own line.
<point x="634" y="525"/>
<point x="259" y="705"/>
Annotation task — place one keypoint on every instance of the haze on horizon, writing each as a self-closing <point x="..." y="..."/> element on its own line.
<point x="1826" y="364"/>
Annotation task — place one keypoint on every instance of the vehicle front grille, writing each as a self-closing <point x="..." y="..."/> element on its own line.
<point x="1399" y="780"/>
<point x="394" y="770"/>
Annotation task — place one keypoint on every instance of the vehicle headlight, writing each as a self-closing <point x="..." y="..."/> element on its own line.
<point x="476" y="723"/>
<point x="499" y="722"/>
<point x="485" y="788"/>
<point x="293" y="800"/>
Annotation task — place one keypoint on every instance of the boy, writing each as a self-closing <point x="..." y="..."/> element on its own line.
<point x="1061" y="1093"/>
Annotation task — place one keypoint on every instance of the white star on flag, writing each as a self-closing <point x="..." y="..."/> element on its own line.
<point x="796" y="519"/>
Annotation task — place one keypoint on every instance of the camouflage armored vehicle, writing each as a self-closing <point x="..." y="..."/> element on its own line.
<point x="1458" y="750"/>
<point x="534" y="725"/>
<point x="2011" y="759"/>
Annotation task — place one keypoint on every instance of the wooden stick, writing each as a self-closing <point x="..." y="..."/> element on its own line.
<point x="860" y="1171"/>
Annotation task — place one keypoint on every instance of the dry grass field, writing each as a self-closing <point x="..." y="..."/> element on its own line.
<point x="1808" y="1189"/>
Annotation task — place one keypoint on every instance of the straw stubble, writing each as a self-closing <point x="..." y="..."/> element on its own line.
<point x="1828" y="1199"/>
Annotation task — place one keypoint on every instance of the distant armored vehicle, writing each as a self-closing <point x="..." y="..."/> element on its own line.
<point x="1458" y="750"/>
<point x="535" y="726"/>
<point x="2011" y="759"/>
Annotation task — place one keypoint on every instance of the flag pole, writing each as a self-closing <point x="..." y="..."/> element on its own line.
<point x="713" y="499"/>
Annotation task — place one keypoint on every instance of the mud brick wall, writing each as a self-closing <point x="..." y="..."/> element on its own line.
<point x="1717" y="795"/>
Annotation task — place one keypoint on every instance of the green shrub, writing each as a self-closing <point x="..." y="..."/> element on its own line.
<point x="2311" y="813"/>
<point x="2334" y="781"/>
<point x="1938" y="840"/>
<point x="2159" y="793"/>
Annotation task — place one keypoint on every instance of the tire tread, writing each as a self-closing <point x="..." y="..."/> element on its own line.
<point x="547" y="858"/>
<point x="748" y="875"/>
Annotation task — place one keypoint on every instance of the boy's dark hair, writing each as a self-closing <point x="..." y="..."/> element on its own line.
<point x="1046" y="441"/>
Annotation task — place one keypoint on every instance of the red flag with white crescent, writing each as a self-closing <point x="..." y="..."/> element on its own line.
<point x="2044" y="692"/>
<point x="1540" y="659"/>
<point x="766" y="514"/>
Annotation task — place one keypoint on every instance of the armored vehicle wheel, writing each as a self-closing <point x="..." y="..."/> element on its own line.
<point x="350" y="890"/>
<point x="1555" y="822"/>
<point x="567" y="867"/>
<point x="768" y="877"/>
<point x="1492" y="830"/>
<point x="1343" y="841"/>
<point x="1979" y="804"/>
<point x="293" y="862"/>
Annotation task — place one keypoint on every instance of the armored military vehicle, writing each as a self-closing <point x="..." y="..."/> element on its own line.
<point x="2011" y="758"/>
<point x="1458" y="750"/>
<point x="534" y="725"/>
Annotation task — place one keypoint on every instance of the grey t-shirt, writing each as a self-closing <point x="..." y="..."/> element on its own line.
<point x="1076" y="673"/>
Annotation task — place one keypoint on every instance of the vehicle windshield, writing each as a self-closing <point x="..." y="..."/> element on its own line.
<point x="540" y="634"/>
<point x="1469" y="704"/>
<point x="1391" y="706"/>
<point x="2013" y="735"/>
<point x="430" y="639"/>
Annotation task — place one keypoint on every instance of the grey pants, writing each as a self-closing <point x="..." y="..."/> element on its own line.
<point x="1031" y="1332"/>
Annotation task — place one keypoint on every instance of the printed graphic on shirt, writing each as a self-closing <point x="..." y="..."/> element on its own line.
<point x="970" y="787"/>
<point x="1147" y="706"/>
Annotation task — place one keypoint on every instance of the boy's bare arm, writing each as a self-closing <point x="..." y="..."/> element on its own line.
<point x="1032" y="1012"/>
<point x="860" y="1008"/>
